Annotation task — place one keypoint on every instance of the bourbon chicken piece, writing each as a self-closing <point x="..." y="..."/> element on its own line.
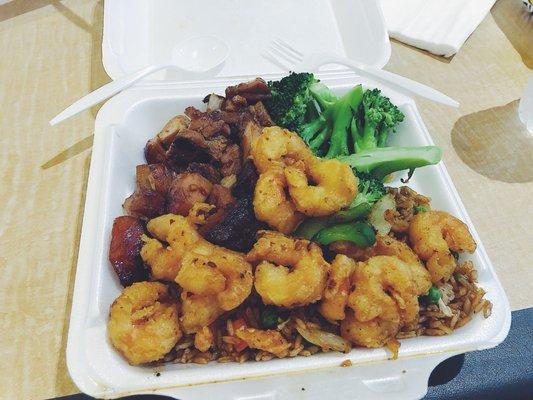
<point x="188" y="188"/>
<point x="191" y="146"/>
<point x="206" y="170"/>
<point x="238" y="229"/>
<point x="209" y="123"/>
<point x="155" y="150"/>
<point x="253" y="91"/>
<point x="152" y="184"/>
<point x="125" y="248"/>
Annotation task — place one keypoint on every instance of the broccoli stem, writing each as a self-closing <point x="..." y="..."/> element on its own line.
<point x="309" y="130"/>
<point x="368" y="140"/>
<point x="342" y="118"/>
<point x="381" y="162"/>
<point x="319" y="139"/>
<point x="382" y="137"/>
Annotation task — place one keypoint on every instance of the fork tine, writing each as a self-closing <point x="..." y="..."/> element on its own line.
<point x="276" y="60"/>
<point x="288" y="47"/>
<point x="284" y="52"/>
<point x="281" y="55"/>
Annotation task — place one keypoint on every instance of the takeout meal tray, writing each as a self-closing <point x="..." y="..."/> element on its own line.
<point x="122" y="127"/>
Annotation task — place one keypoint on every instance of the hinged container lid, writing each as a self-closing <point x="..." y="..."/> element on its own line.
<point x="138" y="33"/>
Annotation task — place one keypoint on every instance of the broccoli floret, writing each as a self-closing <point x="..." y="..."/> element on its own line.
<point x="377" y="118"/>
<point x="370" y="191"/>
<point x="291" y="100"/>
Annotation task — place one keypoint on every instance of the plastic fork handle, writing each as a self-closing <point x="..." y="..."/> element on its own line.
<point x="409" y="85"/>
<point x="106" y="91"/>
<point x="314" y="61"/>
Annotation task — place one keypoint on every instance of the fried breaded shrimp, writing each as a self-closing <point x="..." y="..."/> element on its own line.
<point x="271" y="203"/>
<point x="290" y="272"/>
<point x="385" y="298"/>
<point x="143" y="322"/>
<point x="374" y="333"/>
<point x="278" y="147"/>
<point x="198" y="311"/>
<point x="337" y="288"/>
<point x="269" y="340"/>
<point x="207" y="269"/>
<point x="179" y="233"/>
<point x="214" y="279"/>
<point x="432" y="235"/>
<point x="387" y="246"/>
<point x="333" y="186"/>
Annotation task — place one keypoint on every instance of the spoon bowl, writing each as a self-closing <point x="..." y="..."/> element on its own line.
<point x="200" y="54"/>
<point x="194" y="58"/>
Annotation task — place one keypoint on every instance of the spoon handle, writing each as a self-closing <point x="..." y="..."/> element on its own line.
<point x="104" y="92"/>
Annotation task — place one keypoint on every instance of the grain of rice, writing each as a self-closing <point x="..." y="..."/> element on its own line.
<point x="313" y="349"/>
<point x="184" y="345"/>
<point x="200" y="360"/>
<point x="487" y="309"/>
<point x="479" y="306"/>
<point x="296" y="351"/>
<point x="467" y="306"/>
<point x="243" y="357"/>
<point x="224" y="359"/>
<point x="453" y="283"/>
<point x="463" y="321"/>
<point x="305" y="353"/>
<point x="230" y="339"/>
<point x="454" y="320"/>
<point x="346" y="363"/>
<point x="301" y="324"/>
<point x="406" y="335"/>
<point x="298" y="341"/>
<point x="229" y="327"/>
<point x="434" y="332"/>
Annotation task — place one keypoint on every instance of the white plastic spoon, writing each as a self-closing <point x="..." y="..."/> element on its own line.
<point x="198" y="56"/>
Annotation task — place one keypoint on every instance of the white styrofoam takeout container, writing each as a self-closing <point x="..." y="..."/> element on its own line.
<point x="122" y="128"/>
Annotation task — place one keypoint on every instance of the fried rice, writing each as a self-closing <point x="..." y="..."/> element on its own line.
<point x="461" y="300"/>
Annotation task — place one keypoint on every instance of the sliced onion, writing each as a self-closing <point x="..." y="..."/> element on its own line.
<point x="377" y="214"/>
<point x="323" y="339"/>
<point x="214" y="102"/>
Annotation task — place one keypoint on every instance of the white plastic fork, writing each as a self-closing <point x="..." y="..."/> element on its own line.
<point x="287" y="57"/>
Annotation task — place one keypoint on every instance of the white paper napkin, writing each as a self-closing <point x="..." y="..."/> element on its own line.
<point x="438" y="26"/>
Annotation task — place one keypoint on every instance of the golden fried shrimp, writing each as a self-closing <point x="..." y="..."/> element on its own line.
<point x="337" y="288"/>
<point x="432" y="235"/>
<point x="322" y="188"/>
<point x="198" y="311"/>
<point x="278" y="147"/>
<point x="374" y="333"/>
<point x="385" y="298"/>
<point x="179" y="233"/>
<point x="290" y="272"/>
<point x="204" y="339"/>
<point x="383" y="288"/>
<point x="269" y="340"/>
<point x="388" y="246"/>
<point x="213" y="278"/>
<point x="143" y="322"/>
<point x="271" y="203"/>
<point x="207" y="269"/>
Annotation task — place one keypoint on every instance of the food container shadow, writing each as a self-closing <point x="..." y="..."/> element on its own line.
<point x="495" y="143"/>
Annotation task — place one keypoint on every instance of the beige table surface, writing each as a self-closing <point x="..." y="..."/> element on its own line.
<point x="50" y="55"/>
